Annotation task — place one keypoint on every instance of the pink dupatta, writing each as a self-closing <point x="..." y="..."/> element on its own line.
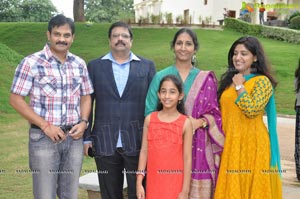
<point x="202" y="102"/>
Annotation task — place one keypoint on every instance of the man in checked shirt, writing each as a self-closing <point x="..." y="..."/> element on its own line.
<point x="59" y="88"/>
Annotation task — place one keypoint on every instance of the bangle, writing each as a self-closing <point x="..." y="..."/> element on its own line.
<point x="142" y="173"/>
<point x="204" y="123"/>
<point x="139" y="174"/>
<point x="44" y="128"/>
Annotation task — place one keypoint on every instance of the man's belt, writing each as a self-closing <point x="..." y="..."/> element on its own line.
<point x="65" y="128"/>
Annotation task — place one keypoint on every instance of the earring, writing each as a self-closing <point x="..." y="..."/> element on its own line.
<point x="194" y="59"/>
<point x="179" y="101"/>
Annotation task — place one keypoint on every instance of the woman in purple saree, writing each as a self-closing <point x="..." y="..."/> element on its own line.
<point x="201" y="102"/>
<point x="200" y="88"/>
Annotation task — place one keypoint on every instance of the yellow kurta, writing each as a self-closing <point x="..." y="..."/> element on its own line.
<point x="245" y="162"/>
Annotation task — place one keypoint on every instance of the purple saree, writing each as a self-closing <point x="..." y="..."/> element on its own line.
<point x="202" y="102"/>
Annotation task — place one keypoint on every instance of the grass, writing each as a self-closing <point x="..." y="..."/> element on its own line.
<point x="8" y="58"/>
<point x="154" y="43"/>
<point x="15" y="180"/>
<point x="20" y="39"/>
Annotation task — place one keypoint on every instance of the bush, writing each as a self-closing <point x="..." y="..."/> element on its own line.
<point x="283" y="34"/>
<point x="179" y="19"/>
<point x="295" y="23"/>
<point x="155" y="19"/>
<point x="169" y="18"/>
<point x="295" y="14"/>
<point x="242" y="26"/>
<point x="272" y="32"/>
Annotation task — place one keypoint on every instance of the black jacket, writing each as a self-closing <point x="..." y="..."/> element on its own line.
<point x="113" y="112"/>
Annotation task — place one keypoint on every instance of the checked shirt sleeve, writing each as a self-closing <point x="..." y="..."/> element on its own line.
<point x="254" y="103"/>
<point x="22" y="82"/>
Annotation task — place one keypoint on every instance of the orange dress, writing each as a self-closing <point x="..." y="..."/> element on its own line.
<point x="165" y="158"/>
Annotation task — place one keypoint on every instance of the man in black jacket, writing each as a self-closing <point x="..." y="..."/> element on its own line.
<point x="121" y="80"/>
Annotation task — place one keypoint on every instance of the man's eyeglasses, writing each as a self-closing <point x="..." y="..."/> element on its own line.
<point x="123" y="35"/>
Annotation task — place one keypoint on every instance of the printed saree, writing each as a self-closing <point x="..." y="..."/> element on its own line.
<point x="201" y="102"/>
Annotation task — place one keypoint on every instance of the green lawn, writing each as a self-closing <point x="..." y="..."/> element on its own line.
<point x="154" y="43"/>
<point x="20" y="39"/>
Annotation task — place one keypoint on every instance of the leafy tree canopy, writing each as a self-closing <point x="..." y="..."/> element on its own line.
<point x="107" y="11"/>
<point x="26" y="10"/>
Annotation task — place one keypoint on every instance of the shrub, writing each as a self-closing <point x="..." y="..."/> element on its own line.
<point x="295" y="23"/>
<point x="169" y="18"/>
<point x="179" y="19"/>
<point x="295" y="14"/>
<point x="272" y="32"/>
<point x="155" y="19"/>
<point x="200" y="19"/>
<point x="242" y="26"/>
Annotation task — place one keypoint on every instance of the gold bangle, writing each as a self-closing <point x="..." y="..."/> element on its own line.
<point x="204" y="123"/>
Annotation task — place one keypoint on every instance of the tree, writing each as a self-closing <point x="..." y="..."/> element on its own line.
<point x="37" y="10"/>
<point x="78" y="10"/>
<point x="10" y="10"/>
<point x="108" y="10"/>
<point x="26" y="10"/>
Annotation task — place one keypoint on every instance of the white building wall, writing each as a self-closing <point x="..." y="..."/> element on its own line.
<point x="176" y="8"/>
<point x="213" y="9"/>
<point x="195" y="7"/>
<point x="199" y="9"/>
<point x="217" y="12"/>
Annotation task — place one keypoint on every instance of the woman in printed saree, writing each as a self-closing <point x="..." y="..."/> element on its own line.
<point x="250" y="163"/>
<point x="201" y="105"/>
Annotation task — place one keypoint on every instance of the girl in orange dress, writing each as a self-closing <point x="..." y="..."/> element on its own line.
<point x="166" y="153"/>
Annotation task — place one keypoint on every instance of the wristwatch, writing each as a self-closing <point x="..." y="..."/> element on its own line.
<point x="86" y="122"/>
<point x="238" y="87"/>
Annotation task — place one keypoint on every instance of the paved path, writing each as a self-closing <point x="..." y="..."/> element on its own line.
<point x="286" y="136"/>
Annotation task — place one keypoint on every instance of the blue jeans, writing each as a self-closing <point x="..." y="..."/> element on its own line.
<point x="55" y="167"/>
<point x="261" y="18"/>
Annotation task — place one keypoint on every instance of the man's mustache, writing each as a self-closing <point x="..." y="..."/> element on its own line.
<point x="63" y="43"/>
<point x="120" y="42"/>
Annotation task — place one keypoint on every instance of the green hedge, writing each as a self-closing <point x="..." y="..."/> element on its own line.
<point x="295" y="23"/>
<point x="272" y="32"/>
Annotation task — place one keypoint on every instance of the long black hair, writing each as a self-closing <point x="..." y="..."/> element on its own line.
<point x="261" y="66"/>
<point x="178" y="83"/>
<point x="297" y="73"/>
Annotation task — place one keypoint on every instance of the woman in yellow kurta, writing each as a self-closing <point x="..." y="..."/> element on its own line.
<point x="250" y="163"/>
